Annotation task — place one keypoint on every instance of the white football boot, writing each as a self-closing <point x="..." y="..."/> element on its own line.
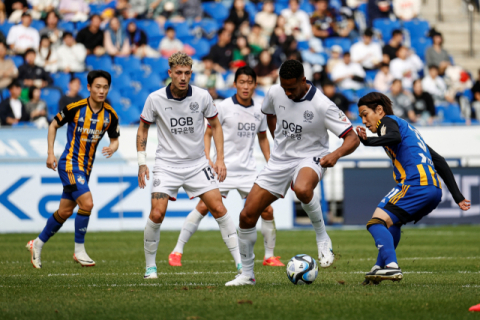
<point x="151" y="273"/>
<point x="83" y="259"/>
<point x="325" y="253"/>
<point x="241" y="280"/>
<point x="36" y="259"/>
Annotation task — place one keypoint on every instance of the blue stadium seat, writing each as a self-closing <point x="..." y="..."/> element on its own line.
<point x="154" y="41"/>
<point x="227" y="93"/>
<point x="202" y="48"/>
<point x="349" y="94"/>
<point x="128" y="64"/>
<point x="363" y="91"/>
<point x="386" y="26"/>
<point x="66" y="26"/>
<point x="307" y="7"/>
<point x="5" y="94"/>
<point x="336" y="4"/>
<point x="452" y="114"/>
<point x="150" y="27"/>
<point x="84" y="93"/>
<point x="417" y="28"/>
<point x="158" y="66"/>
<point x="5" y="27"/>
<point x="80" y="25"/>
<point x="303" y="45"/>
<point x="103" y="62"/>
<point x="259" y="93"/>
<point x="61" y="79"/>
<point x="51" y="98"/>
<point x="370" y="75"/>
<point x="363" y="9"/>
<point x="98" y="8"/>
<point x="342" y="42"/>
<point x="216" y="10"/>
<point x="149" y="81"/>
<point x="468" y="94"/>
<point x="279" y="6"/>
<point x="182" y="29"/>
<point x="421" y="45"/>
<point x="252" y="11"/>
<point x="121" y="81"/>
<point x="209" y="26"/>
<point x="114" y="97"/>
<point x="18" y="60"/>
<point x="38" y="24"/>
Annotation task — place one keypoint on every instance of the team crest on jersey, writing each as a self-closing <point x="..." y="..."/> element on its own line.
<point x="80" y="180"/>
<point x="308" y="115"/>
<point x="194" y="107"/>
<point x="383" y="130"/>
<point x="342" y="116"/>
<point x="258" y="116"/>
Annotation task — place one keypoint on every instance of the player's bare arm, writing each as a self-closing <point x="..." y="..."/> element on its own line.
<point x="217" y="134"/>
<point x="142" y="136"/>
<point x="207" y="140"/>
<point x="52" y="133"/>
<point x="350" y="144"/>
<point x="272" y="123"/>
<point x="112" y="148"/>
<point x="264" y="145"/>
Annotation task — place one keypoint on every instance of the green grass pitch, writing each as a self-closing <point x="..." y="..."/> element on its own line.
<point x="441" y="279"/>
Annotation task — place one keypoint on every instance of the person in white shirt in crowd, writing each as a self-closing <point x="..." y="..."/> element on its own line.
<point x="206" y="76"/>
<point x="8" y="70"/>
<point x="74" y="10"/>
<point x="51" y="29"/>
<point x="170" y="44"/>
<point x="383" y="79"/>
<point x="436" y="86"/>
<point x="298" y="21"/>
<point x="267" y="18"/>
<point x="348" y="74"/>
<point x="71" y="55"/>
<point x="41" y="7"/>
<point x="115" y="40"/>
<point x="406" y="67"/>
<point x="406" y="10"/>
<point x="47" y="57"/>
<point x="22" y="37"/>
<point x="367" y="52"/>
<point x="335" y="57"/>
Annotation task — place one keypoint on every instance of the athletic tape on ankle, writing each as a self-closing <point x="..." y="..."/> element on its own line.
<point x="376" y="221"/>
<point x="57" y="217"/>
<point x="84" y="212"/>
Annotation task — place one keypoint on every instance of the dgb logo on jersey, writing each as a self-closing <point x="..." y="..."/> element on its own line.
<point x="291" y="126"/>
<point x="181" y="121"/>
<point x="246" y="126"/>
<point x="194" y="107"/>
<point x="308" y="115"/>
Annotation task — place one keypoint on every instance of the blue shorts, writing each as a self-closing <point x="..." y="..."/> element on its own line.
<point x="410" y="203"/>
<point x="74" y="184"/>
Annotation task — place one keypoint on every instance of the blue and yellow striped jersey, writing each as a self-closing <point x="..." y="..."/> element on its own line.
<point x="411" y="158"/>
<point x="84" y="132"/>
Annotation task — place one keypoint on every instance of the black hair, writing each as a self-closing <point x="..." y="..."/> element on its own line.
<point x="383" y="64"/>
<point x="1" y="42"/>
<point x="170" y="28"/>
<point x="92" y="75"/>
<point x="396" y="80"/>
<point x="375" y="99"/>
<point x="432" y="66"/>
<point x="207" y="57"/>
<point x="14" y="83"/>
<point x="29" y="50"/>
<point x="256" y="25"/>
<point x="368" y="32"/>
<point x="221" y="30"/>
<point x="291" y="69"/>
<point x="48" y="13"/>
<point x="66" y="34"/>
<point x="346" y="53"/>
<point x="396" y="32"/>
<point x="75" y="78"/>
<point x="417" y="80"/>
<point x="328" y="82"/>
<point x="30" y="92"/>
<point x="246" y="70"/>
<point x="94" y="15"/>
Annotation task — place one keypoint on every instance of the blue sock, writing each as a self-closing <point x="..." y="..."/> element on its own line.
<point x="81" y="225"/>
<point x="396" y="234"/>
<point x="384" y="242"/>
<point x="54" y="223"/>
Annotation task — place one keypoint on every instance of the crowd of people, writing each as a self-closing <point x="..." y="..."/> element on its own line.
<point x="297" y="29"/>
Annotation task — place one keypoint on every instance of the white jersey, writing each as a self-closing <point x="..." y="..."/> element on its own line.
<point x="180" y="125"/>
<point x="240" y="125"/>
<point x="302" y="125"/>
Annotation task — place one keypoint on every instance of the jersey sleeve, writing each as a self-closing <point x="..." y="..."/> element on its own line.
<point x="65" y="115"/>
<point x="267" y="105"/>
<point x="148" y="114"/>
<point x="210" y="110"/>
<point x="263" y="125"/>
<point x="388" y="134"/>
<point x="114" y="128"/>
<point x="337" y="122"/>
<point x="220" y="115"/>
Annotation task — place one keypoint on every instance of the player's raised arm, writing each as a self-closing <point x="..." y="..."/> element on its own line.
<point x="217" y="134"/>
<point x="52" y="133"/>
<point x="207" y="140"/>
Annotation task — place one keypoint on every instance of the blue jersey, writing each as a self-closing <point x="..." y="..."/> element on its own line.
<point x="411" y="158"/>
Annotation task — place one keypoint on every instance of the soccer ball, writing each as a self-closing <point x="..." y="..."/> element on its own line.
<point x="302" y="269"/>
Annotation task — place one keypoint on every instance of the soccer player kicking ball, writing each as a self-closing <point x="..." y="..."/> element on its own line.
<point x="298" y="116"/>
<point x="179" y="111"/>
<point x="415" y="167"/>
<point x="241" y="121"/>
<point x="88" y="120"/>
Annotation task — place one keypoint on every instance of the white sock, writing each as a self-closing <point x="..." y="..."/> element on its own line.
<point x="151" y="238"/>
<point x="79" y="247"/>
<point x="189" y="227"/>
<point x="229" y="235"/>
<point x="314" y="211"/>
<point x="392" y="265"/>
<point x="38" y="244"/>
<point x="269" y="236"/>
<point x="246" y="240"/>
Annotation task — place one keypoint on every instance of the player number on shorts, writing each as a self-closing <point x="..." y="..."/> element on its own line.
<point x="208" y="174"/>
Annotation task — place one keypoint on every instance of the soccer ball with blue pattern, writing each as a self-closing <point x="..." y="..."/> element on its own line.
<point x="302" y="269"/>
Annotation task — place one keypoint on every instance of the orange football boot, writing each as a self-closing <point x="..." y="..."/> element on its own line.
<point x="175" y="259"/>
<point x="273" y="262"/>
<point x="475" y="308"/>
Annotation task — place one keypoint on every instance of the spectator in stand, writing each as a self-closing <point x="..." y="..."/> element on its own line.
<point x="476" y="96"/>
<point x="138" y="42"/>
<point x="47" y="57"/>
<point x="267" y="72"/>
<point x="345" y="24"/>
<point x="245" y="52"/>
<point x="339" y="99"/>
<point x="71" y="55"/>
<point x="139" y="7"/>
<point x="72" y="94"/>
<point x="40" y="8"/>
<point x="322" y="20"/>
<point x="297" y="21"/>
<point x="14" y="5"/>
<point x="74" y="10"/>
<point x="313" y="55"/>
<point x="423" y="105"/>
<point x="279" y="35"/>
<point x="394" y="44"/>
<point x="406" y="67"/>
<point x="12" y="110"/>
<point x="348" y="74"/>
<point x="51" y="29"/>
<point x="406" y="10"/>
<point x="115" y="39"/>
<point x="191" y="10"/>
<point x="378" y="9"/>
<point x="222" y="52"/>
<point x="92" y="37"/>
<point x="22" y="37"/>
<point x="256" y="38"/>
<point x="436" y="55"/>
<point x="238" y="15"/>
<point x="3" y="15"/>
<point x="383" y="79"/>
<point x="36" y="108"/>
<point x="436" y="86"/>
<point x="401" y="101"/>
<point x="8" y="70"/>
<point x="162" y="10"/>
<point x="367" y="52"/>
<point x="267" y="18"/>
<point x="335" y="57"/>
<point x="208" y="77"/>
<point x="31" y="75"/>
<point x="170" y="44"/>
<point x="319" y="76"/>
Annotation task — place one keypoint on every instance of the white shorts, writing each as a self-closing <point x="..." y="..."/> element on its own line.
<point x="195" y="180"/>
<point x="243" y="184"/>
<point x="277" y="176"/>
